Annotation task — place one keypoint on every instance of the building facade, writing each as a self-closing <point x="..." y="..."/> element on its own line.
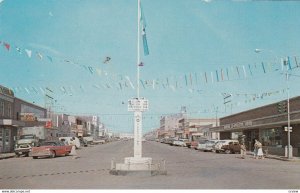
<point x="266" y="124"/>
<point x="16" y="113"/>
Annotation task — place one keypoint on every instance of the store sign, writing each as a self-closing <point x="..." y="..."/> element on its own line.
<point x="136" y="104"/>
<point x="238" y="125"/>
<point x="48" y="124"/>
<point x="28" y="117"/>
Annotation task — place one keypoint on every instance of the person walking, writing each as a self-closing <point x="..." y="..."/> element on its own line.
<point x="254" y="148"/>
<point x="259" y="153"/>
<point x="243" y="151"/>
<point x="73" y="150"/>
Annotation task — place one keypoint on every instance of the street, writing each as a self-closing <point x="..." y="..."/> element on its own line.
<point x="186" y="169"/>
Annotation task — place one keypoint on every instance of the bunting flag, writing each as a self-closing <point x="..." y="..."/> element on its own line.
<point x="144" y="24"/>
<point x="296" y="61"/>
<point x="244" y="72"/>
<point x="227" y="72"/>
<point x="19" y="50"/>
<point x="289" y="63"/>
<point x="212" y="77"/>
<point x="39" y="55"/>
<point x="237" y="69"/>
<point x="250" y="69"/>
<point x="205" y="77"/>
<point x="217" y="75"/>
<point x="91" y="69"/>
<point x="263" y="66"/>
<point x="7" y="46"/>
<point x="50" y="58"/>
<point x="28" y="52"/>
<point x="186" y="82"/>
<point x="191" y="79"/>
<point x="143" y="84"/>
<point x="222" y="76"/>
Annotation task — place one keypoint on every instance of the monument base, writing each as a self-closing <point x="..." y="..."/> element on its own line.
<point x="133" y="165"/>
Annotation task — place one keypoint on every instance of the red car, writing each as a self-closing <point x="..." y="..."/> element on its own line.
<point x="51" y="149"/>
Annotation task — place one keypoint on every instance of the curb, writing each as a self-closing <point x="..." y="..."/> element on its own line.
<point x="6" y="157"/>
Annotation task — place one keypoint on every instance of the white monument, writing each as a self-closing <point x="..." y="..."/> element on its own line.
<point x="138" y="105"/>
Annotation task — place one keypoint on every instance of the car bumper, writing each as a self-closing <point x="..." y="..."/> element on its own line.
<point x="22" y="150"/>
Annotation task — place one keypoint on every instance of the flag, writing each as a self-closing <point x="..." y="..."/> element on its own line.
<point x="28" y="52"/>
<point x="39" y="55"/>
<point x="50" y="58"/>
<point x="7" y="46"/>
<point x="289" y="63"/>
<point x="144" y="24"/>
<point x="263" y="66"/>
<point x="296" y="62"/>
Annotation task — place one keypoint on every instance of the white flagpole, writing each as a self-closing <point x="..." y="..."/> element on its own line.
<point x="138" y="50"/>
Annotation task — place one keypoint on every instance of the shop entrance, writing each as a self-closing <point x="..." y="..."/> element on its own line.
<point x="5" y="143"/>
<point x="251" y="135"/>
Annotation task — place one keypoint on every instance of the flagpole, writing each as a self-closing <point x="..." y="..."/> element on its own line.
<point x="138" y="51"/>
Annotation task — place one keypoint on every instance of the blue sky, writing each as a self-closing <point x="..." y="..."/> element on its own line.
<point x="198" y="50"/>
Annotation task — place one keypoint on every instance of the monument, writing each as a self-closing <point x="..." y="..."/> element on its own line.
<point x="137" y="163"/>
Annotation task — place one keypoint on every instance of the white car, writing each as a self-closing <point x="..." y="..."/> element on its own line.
<point x="207" y="145"/>
<point x="180" y="142"/>
<point x="218" y="146"/>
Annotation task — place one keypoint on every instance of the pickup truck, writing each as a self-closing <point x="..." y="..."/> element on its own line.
<point x="232" y="147"/>
<point x="25" y="143"/>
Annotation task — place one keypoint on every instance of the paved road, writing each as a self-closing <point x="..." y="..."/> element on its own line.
<point x="187" y="169"/>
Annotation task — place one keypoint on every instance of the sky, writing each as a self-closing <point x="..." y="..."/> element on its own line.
<point x="85" y="52"/>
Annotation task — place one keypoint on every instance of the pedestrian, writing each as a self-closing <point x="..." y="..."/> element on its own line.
<point x="259" y="153"/>
<point x="73" y="150"/>
<point x="254" y="148"/>
<point x="243" y="151"/>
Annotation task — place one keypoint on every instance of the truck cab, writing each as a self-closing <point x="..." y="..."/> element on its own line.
<point x="25" y="143"/>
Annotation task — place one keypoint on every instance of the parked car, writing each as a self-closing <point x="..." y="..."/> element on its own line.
<point x="218" y="146"/>
<point x="51" y="149"/>
<point x="232" y="147"/>
<point x="207" y="145"/>
<point x="170" y="141"/>
<point x="67" y="141"/>
<point x="194" y="143"/>
<point x="180" y="142"/>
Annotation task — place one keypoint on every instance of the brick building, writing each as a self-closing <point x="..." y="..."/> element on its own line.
<point x="266" y="124"/>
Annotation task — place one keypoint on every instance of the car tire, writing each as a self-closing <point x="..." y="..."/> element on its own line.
<point x="34" y="157"/>
<point x="227" y="151"/>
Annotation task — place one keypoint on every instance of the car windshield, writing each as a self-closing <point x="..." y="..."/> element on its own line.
<point x="26" y="137"/>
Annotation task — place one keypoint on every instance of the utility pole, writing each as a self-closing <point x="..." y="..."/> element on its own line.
<point x="289" y="148"/>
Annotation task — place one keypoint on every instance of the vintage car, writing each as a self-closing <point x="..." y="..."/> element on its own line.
<point x="232" y="147"/>
<point x="180" y="142"/>
<point x="207" y="145"/>
<point x="51" y="149"/>
<point x="218" y="147"/>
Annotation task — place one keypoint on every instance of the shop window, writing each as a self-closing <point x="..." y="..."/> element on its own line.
<point x="9" y="110"/>
<point x="272" y="137"/>
<point x="2" y="108"/>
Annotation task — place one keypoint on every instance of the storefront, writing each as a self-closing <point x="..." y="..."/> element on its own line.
<point x="8" y="133"/>
<point x="266" y="124"/>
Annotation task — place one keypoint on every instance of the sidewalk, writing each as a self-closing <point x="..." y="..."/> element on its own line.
<point x="282" y="158"/>
<point x="7" y="155"/>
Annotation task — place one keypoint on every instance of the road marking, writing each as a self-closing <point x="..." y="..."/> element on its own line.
<point x="58" y="173"/>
